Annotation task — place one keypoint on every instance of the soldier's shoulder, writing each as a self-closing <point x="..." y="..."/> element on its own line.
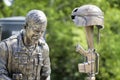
<point x="6" y="41"/>
<point x="45" y="47"/>
<point x="10" y="39"/>
<point x="43" y="43"/>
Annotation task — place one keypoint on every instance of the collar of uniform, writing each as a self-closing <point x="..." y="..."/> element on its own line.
<point x="21" y="43"/>
<point x="22" y="48"/>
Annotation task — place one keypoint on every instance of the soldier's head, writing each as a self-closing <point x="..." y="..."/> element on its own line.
<point x="88" y="15"/>
<point x="35" y="24"/>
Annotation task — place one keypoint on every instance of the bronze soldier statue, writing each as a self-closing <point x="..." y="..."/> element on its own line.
<point x="25" y="56"/>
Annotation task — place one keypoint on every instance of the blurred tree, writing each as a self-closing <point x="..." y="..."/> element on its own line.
<point x="62" y="35"/>
<point x="114" y="3"/>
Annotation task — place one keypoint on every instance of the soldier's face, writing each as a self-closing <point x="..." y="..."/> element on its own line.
<point x="34" y="32"/>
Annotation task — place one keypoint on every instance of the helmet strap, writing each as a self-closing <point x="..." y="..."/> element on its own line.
<point x="98" y="35"/>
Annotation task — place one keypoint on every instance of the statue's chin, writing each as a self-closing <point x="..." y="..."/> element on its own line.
<point x="34" y="41"/>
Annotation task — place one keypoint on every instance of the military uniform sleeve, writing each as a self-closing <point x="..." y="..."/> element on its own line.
<point x="46" y="69"/>
<point x="3" y="62"/>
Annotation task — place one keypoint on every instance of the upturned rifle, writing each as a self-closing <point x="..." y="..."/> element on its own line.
<point x="88" y="16"/>
<point x="91" y="65"/>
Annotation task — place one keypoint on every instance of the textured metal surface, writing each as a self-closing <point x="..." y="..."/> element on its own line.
<point x="25" y="55"/>
<point x="88" y="15"/>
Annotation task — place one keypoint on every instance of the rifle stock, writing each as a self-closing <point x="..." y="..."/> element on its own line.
<point x="92" y="61"/>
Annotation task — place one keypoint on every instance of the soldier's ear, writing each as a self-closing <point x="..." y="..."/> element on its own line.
<point x="24" y="26"/>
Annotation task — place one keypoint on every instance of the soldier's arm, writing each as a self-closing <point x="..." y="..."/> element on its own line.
<point x="3" y="62"/>
<point x="46" y="69"/>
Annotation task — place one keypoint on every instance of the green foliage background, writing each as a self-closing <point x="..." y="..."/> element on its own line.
<point x="62" y="35"/>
